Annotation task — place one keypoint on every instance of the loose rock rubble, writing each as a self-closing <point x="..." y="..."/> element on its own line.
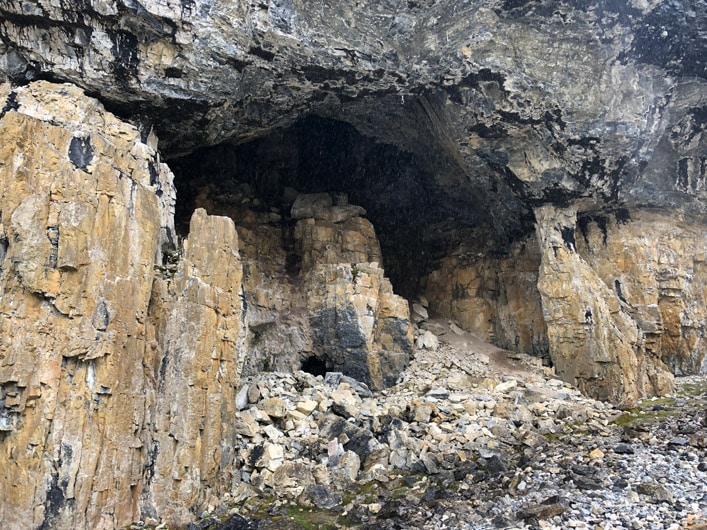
<point x="465" y="440"/>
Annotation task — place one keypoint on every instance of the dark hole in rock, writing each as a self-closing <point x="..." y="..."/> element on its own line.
<point x="81" y="152"/>
<point x="314" y="365"/>
<point x="4" y="245"/>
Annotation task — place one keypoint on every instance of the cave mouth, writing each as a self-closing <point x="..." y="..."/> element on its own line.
<point x="416" y="220"/>
<point x="314" y="365"/>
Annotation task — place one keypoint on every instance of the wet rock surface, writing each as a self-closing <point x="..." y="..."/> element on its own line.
<point x="474" y="439"/>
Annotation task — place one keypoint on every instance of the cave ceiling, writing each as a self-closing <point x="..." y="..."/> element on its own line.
<point x="505" y="104"/>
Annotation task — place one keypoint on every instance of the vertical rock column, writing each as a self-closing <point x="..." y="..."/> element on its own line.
<point x="359" y="326"/>
<point x="199" y="334"/>
<point x="594" y="342"/>
<point x="81" y="200"/>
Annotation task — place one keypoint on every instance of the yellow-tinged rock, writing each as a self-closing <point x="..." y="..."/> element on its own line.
<point x="596" y="454"/>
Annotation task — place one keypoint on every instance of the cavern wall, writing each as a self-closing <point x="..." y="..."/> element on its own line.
<point x="617" y="301"/>
<point x="117" y="367"/>
<point x="314" y="285"/>
<point x="496" y="298"/>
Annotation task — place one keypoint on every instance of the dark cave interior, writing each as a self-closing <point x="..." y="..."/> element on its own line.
<point x="417" y="220"/>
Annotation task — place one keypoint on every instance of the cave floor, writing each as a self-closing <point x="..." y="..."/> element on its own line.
<point x="476" y="437"/>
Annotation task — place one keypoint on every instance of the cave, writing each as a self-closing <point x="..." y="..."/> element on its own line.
<point x="359" y="187"/>
<point x="418" y="215"/>
<point x="314" y="365"/>
<point x="424" y="212"/>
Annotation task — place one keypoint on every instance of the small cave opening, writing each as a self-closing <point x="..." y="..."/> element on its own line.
<point x="314" y="365"/>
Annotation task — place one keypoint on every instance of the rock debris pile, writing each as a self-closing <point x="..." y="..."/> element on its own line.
<point x="464" y="440"/>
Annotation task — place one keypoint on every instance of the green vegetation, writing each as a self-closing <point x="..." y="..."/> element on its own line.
<point x="355" y="271"/>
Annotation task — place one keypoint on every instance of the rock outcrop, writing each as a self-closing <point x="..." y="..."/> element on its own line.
<point x="316" y="292"/>
<point x="537" y="170"/>
<point x="84" y="201"/>
<point x="655" y="265"/>
<point x="616" y="303"/>
<point x="199" y="349"/>
<point x="593" y="341"/>
<point x="117" y="372"/>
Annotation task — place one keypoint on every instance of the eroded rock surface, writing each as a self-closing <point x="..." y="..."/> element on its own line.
<point x="542" y="164"/>
<point x="496" y="298"/>
<point x="315" y="288"/>
<point x="81" y="226"/>
<point x="117" y="370"/>
<point x="593" y="341"/>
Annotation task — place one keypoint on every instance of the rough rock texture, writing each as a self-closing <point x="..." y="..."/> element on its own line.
<point x="480" y="127"/>
<point x="511" y="101"/>
<point x="593" y="340"/>
<point x="496" y="298"/>
<point x="655" y="265"/>
<point x="643" y="267"/>
<point x="80" y="228"/>
<point x="200" y="338"/>
<point x="359" y="325"/>
<point x="316" y="290"/>
<point x="117" y="380"/>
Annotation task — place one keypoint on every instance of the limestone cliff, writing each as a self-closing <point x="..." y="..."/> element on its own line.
<point x="537" y="169"/>
<point x="615" y="302"/>
<point x="115" y="390"/>
<point x="122" y="349"/>
<point x="81" y="229"/>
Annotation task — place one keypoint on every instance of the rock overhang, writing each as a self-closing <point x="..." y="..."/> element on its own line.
<point x="549" y="100"/>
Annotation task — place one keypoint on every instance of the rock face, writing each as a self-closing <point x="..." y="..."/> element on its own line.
<point x="496" y="298"/>
<point x="116" y="391"/>
<point x="359" y="325"/>
<point x="317" y="293"/>
<point x="199" y="333"/>
<point x="655" y="264"/>
<point x="593" y="342"/>
<point x="81" y="226"/>
<point x="616" y="301"/>
<point x="537" y="169"/>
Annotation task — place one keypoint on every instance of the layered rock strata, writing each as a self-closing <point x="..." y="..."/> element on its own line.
<point x="593" y="341"/>
<point x="617" y="301"/>
<point x="655" y="265"/>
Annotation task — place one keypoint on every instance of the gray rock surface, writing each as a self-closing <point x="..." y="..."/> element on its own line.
<point x="516" y="101"/>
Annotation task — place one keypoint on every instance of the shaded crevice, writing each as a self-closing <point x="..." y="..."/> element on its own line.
<point x="314" y="365"/>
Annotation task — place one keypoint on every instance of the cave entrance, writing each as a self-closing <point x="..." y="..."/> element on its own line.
<point x="314" y="365"/>
<point x="416" y="220"/>
<point x="428" y="215"/>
